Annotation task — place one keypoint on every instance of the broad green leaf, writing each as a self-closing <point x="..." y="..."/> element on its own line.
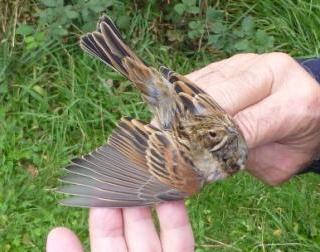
<point x="102" y="3"/>
<point x="212" y="39"/>
<point x="217" y="41"/>
<point x="88" y="26"/>
<point x="84" y="14"/>
<point x="213" y="15"/>
<point x="193" y="10"/>
<point x="218" y="27"/>
<point x="270" y="43"/>
<point x="247" y="25"/>
<point x="25" y="29"/>
<point x="39" y="36"/>
<point x="238" y="33"/>
<point x="261" y="37"/>
<point x="242" y="45"/>
<point x="70" y="13"/>
<point x="180" y="8"/>
<point x="49" y="3"/>
<point x="58" y="32"/>
<point x="52" y="3"/>
<point x="29" y="39"/>
<point x="98" y="5"/>
<point x="189" y="2"/>
<point x="263" y="41"/>
<point x="31" y="46"/>
<point x="196" y="25"/>
<point x="193" y="34"/>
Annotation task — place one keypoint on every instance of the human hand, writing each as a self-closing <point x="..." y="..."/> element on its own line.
<point x="276" y="103"/>
<point x="130" y="229"/>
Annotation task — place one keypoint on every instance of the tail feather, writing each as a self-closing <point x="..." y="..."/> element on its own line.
<point x="107" y="45"/>
<point x="108" y="21"/>
<point x="115" y="42"/>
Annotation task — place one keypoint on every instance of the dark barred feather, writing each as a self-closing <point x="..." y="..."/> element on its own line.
<point x="132" y="169"/>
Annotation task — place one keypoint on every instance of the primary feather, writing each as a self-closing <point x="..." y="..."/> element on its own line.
<point x="135" y="168"/>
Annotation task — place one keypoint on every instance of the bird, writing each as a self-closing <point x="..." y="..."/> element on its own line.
<point x="193" y="141"/>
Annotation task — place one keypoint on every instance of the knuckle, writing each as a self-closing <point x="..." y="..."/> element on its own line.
<point x="307" y="96"/>
<point x="277" y="65"/>
<point x="281" y="58"/>
<point x="279" y="62"/>
<point x="264" y="77"/>
<point x="309" y="100"/>
<point x="312" y="110"/>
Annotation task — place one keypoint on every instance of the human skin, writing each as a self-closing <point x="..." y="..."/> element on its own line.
<point x="276" y="104"/>
<point x="130" y="229"/>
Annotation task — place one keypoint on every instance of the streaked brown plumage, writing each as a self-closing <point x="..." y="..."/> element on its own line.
<point x="196" y="142"/>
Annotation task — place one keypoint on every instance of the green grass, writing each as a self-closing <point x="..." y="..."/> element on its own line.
<point x="57" y="103"/>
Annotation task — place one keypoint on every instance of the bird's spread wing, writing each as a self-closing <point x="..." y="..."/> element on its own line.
<point x="140" y="165"/>
<point x="196" y="100"/>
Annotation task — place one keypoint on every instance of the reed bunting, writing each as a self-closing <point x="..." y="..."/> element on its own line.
<point x="194" y="143"/>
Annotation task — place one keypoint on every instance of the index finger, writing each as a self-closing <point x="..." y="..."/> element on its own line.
<point x="236" y="83"/>
<point x="106" y="230"/>
<point x="176" y="232"/>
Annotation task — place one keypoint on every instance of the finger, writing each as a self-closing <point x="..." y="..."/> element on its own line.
<point x="106" y="230"/>
<point x="239" y="63"/>
<point x="63" y="239"/>
<point x="283" y="112"/>
<point x="223" y="69"/>
<point x="241" y="91"/>
<point x="140" y="232"/>
<point x="236" y="92"/>
<point x="176" y="232"/>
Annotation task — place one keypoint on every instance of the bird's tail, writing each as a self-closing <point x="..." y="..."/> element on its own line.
<point x="107" y="45"/>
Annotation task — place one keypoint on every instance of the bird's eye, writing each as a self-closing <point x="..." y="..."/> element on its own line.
<point x="212" y="134"/>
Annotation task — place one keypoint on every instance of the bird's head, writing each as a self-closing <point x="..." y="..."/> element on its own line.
<point x="222" y="139"/>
